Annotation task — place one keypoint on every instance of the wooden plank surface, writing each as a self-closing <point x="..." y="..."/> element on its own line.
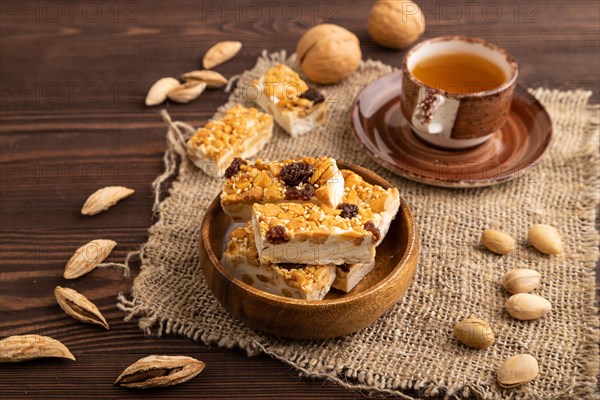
<point x="73" y="76"/>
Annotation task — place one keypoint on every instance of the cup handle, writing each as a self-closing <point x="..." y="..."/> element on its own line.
<point x="426" y="109"/>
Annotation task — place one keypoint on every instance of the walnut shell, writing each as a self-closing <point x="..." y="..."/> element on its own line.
<point x="395" y="24"/>
<point x="328" y="53"/>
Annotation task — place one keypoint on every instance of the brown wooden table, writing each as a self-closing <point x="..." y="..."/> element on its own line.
<point x="73" y="76"/>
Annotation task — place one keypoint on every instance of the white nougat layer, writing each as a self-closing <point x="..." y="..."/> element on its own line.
<point x="311" y="282"/>
<point x="348" y="276"/>
<point x="336" y="249"/>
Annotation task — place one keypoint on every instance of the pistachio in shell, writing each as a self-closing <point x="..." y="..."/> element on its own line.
<point x="497" y="241"/>
<point x="545" y="238"/>
<point x="521" y="280"/>
<point x="527" y="306"/>
<point x="474" y="332"/>
<point x="518" y="370"/>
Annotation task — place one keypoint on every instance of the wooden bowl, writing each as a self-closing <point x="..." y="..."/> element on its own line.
<point x="339" y="313"/>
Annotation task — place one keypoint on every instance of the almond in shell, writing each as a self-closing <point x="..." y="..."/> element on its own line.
<point x="79" y="307"/>
<point x="159" y="371"/>
<point x="158" y="92"/>
<point x="87" y="257"/>
<point x="105" y="198"/>
<point x="221" y="52"/>
<point x="213" y="79"/>
<point x="187" y="92"/>
<point x="29" y="347"/>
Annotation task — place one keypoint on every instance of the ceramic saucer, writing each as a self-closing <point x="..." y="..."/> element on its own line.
<point x="384" y="133"/>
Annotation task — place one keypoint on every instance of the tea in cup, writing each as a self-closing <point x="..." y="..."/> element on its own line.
<point x="457" y="91"/>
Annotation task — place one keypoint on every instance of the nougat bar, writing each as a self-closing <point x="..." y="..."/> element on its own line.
<point x="241" y="132"/>
<point x="383" y="203"/>
<point x="308" y="179"/>
<point x="307" y="233"/>
<point x="296" y="108"/>
<point x="309" y="282"/>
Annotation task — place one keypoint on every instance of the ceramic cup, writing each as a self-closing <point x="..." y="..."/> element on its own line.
<point x="450" y="120"/>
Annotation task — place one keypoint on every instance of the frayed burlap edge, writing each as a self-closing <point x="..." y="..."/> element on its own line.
<point x="151" y="322"/>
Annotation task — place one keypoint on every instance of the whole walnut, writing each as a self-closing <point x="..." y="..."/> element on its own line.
<point x="328" y="53"/>
<point x="395" y="23"/>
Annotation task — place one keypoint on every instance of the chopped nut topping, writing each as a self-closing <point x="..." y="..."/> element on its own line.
<point x="285" y="84"/>
<point x="363" y="194"/>
<point x="277" y="235"/>
<point x="270" y="177"/>
<point x="348" y="210"/>
<point x="218" y="137"/>
<point x="234" y="167"/>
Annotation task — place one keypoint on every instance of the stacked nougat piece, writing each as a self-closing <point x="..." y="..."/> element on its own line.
<point x="295" y="106"/>
<point x="307" y="226"/>
<point x="241" y="132"/>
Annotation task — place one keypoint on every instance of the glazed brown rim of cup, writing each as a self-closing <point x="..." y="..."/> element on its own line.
<point x="514" y="67"/>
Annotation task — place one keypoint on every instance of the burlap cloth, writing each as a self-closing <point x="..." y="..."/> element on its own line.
<point x="411" y="346"/>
